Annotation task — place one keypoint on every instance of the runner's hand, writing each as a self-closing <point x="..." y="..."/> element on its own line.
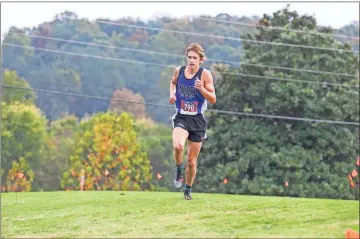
<point x="172" y="98"/>
<point x="199" y="85"/>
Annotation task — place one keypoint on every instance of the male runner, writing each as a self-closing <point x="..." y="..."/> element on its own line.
<point x="191" y="87"/>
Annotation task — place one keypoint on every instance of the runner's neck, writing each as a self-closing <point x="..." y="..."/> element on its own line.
<point x="189" y="70"/>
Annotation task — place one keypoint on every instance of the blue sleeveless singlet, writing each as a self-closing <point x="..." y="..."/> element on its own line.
<point x="189" y="101"/>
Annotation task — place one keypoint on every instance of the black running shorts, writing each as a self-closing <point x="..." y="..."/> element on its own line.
<point x="194" y="124"/>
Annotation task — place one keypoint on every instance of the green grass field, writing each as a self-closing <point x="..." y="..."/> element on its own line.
<point x="157" y="214"/>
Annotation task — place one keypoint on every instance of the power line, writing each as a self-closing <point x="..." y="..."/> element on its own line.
<point x="171" y="106"/>
<point x="163" y="65"/>
<point x="292" y="80"/>
<point x="88" y="55"/>
<point x="182" y="56"/>
<point x="278" y="28"/>
<point x="118" y="48"/>
<point x="227" y="38"/>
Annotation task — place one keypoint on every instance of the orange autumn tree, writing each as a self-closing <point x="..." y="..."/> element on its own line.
<point x="20" y="176"/>
<point x="117" y="104"/>
<point x="108" y="156"/>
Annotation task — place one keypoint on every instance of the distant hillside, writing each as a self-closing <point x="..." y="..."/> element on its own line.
<point x="353" y="31"/>
<point x="103" y="76"/>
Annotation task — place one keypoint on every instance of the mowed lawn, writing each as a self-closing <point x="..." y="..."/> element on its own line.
<point x="156" y="214"/>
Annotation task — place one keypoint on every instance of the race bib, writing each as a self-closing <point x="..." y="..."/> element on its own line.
<point x="189" y="107"/>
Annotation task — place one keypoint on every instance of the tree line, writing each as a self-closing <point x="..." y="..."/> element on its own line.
<point x="60" y="142"/>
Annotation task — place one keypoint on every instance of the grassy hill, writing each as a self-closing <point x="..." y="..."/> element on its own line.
<point x="167" y="215"/>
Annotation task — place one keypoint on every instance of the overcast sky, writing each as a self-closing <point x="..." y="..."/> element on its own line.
<point x="31" y="14"/>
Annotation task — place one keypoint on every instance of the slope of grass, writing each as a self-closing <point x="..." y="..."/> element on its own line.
<point x="156" y="214"/>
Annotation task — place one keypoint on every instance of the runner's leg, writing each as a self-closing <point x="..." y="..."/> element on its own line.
<point x="179" y="138"/>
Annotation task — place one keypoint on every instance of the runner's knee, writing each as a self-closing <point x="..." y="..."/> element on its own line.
<point x="191" y="163"/>
<point x="179" y="147"/>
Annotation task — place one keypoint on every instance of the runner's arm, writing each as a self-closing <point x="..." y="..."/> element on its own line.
<point x="174" y="81"/>
<point x="208" y="91"/>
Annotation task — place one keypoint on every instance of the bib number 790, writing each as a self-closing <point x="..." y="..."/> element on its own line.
<point x="190" y="107"/>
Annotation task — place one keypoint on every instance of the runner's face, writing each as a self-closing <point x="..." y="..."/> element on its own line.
<point x="193" y="59"/>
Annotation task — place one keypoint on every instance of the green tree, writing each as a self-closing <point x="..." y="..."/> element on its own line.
<point x="258" y="155"/>
<point x="11" y="95"/>
<point x="60" y="146"/>
<point x="23" y="141"/>
<point x="155" y="140"/>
